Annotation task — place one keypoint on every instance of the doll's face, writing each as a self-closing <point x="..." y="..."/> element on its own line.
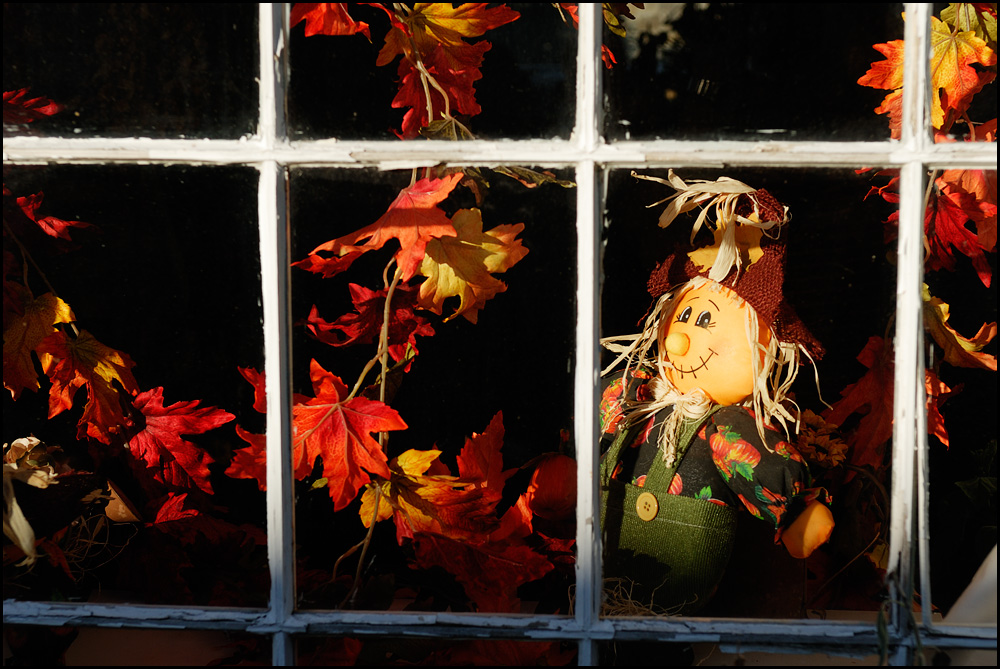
<point x="705" y="343"/>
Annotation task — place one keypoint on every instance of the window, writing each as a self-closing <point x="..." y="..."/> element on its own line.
<point x="300" y="163"/>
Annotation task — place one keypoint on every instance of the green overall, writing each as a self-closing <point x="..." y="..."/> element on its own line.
<point x="674" y="560"/>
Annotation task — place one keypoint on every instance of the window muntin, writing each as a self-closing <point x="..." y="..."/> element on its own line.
<point x="860" y="638"/>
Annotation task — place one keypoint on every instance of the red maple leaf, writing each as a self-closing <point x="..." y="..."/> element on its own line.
<point x="318" y="262"/>
<point x="339" y="431"/>
<point x="489" y="572"/>
<point x="944" y="226"/>
<point x="872" y="397"/>
<point x="937" y="393"/>
<point x="161" y="444"/>
<point x="413" y="218"/>
<point x="83" y="361"/>
<point x="365" y="325"/>
<point x="981" y="187"/>
<point x="327" y="18"/>
<point x="18" y="108"/>
<point x="50" y="225"/>
<point x="251" y="462"/>
<point x="481" y="460"/>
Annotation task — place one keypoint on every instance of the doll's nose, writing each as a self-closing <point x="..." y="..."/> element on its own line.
<point x="677" y="343"/>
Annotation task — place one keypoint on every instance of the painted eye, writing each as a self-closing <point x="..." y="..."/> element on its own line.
<point x="685" y="315"/>
<point x="704" y="319"/>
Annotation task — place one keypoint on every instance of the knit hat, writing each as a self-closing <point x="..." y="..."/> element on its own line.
<point x="748" y="256"/>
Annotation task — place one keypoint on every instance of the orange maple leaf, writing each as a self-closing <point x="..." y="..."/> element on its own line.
<point x="429" y="24"/>
<point x="958" y="350"/>
<point x="937" y="393"/>
<point x="462" y="265"/>
<point x="24" y="334"/>
<point x="338" y="430"/>
<point x="251" y="462"/>
<point x="872" y="397"/>
<point x="327" y="18"/>
<point x="888" y="75"/>
<point x="413" y="218"/>
<point x="83" y="361"/>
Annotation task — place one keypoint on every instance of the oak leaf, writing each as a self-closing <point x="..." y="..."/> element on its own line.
<point x="462" y="266"/>
<point x="413" y="218"/>
<point x="327" y="18"/>
<point x="872" y="397"/>
<point x="83" y="361"/>
<point x="24" y="334"/>
<point x="365" y="325"/>
<point x="958" y="350"/>
<point x="338" y="429"/>
<point x="161" y="446"/>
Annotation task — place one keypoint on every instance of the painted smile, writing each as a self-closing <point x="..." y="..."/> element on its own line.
<point x="692" y="371"/>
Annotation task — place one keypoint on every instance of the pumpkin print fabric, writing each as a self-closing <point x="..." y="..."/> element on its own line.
<point x="726" y="463"/>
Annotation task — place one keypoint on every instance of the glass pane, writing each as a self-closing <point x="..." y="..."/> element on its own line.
<point x="327" y="651"/>
<point x="839" y="281"/>
<point x="176" y="71"/>
<point x="962" y="313"/>
<point x="748" y="71"/>
<point x="480" y="343"/>
<point x="339" y="89"/>
<point x="95" y="646"/>
<point x="131" y="300"/>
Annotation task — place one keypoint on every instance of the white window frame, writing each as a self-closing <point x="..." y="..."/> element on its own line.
<point x="272" y="153"/>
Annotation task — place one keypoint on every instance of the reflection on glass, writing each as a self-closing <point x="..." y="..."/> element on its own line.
<point x="123" y="69"/>
<point x="762" y="519"/>
<point x="476" y="382"/>
<point x="747" y="71"/>
<point x="131" y="300"/>
<point x="508" y="72"/>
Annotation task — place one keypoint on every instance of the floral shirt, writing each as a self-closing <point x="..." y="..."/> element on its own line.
<point x="725" y="464"/>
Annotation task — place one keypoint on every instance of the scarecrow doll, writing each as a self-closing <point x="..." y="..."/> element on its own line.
<point x="695" y="416"/>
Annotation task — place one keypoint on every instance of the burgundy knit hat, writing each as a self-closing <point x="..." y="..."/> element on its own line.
<point x="761" y="284"/>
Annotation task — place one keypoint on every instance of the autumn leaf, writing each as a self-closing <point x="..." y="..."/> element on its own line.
<point x="327" y="18"/>
<point x="24" y="334"/>
<point x="958" y="350"/>
<point x="461" y="266"/>
<point x="19" y="108"/>
<point x="872" y="397"/>
<point x="413" y="218"/>
<point x="161" y="446"/>
<point x="436" y="58"/>
<point x="251" y="462"/>
<point x="937" y="393"/>
<point x="83" y="361"/>
<point x="338" y="430"/>
<point x="489" y="573"/>
<point x="365" y="325"/>
<point x="944" y="226"/>
<point x="426" y="501"/>
<point x="481" y="459"/>
<point x="979" y="17"/>
<point x="980" y="187"/>
<point x="888" y="75"/>
<point x="50" y="225"/>
<point x="953" y="79"/>
<point x="328" y="266"/>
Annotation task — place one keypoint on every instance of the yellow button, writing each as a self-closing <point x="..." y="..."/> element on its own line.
<point x="647" y="506"/>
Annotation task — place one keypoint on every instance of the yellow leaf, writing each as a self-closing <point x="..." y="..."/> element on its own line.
<point x="953" y="79"/>
<point x="24" y="334"/>
<point x="958" y="350"/>
<point x="461" y="266"/>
